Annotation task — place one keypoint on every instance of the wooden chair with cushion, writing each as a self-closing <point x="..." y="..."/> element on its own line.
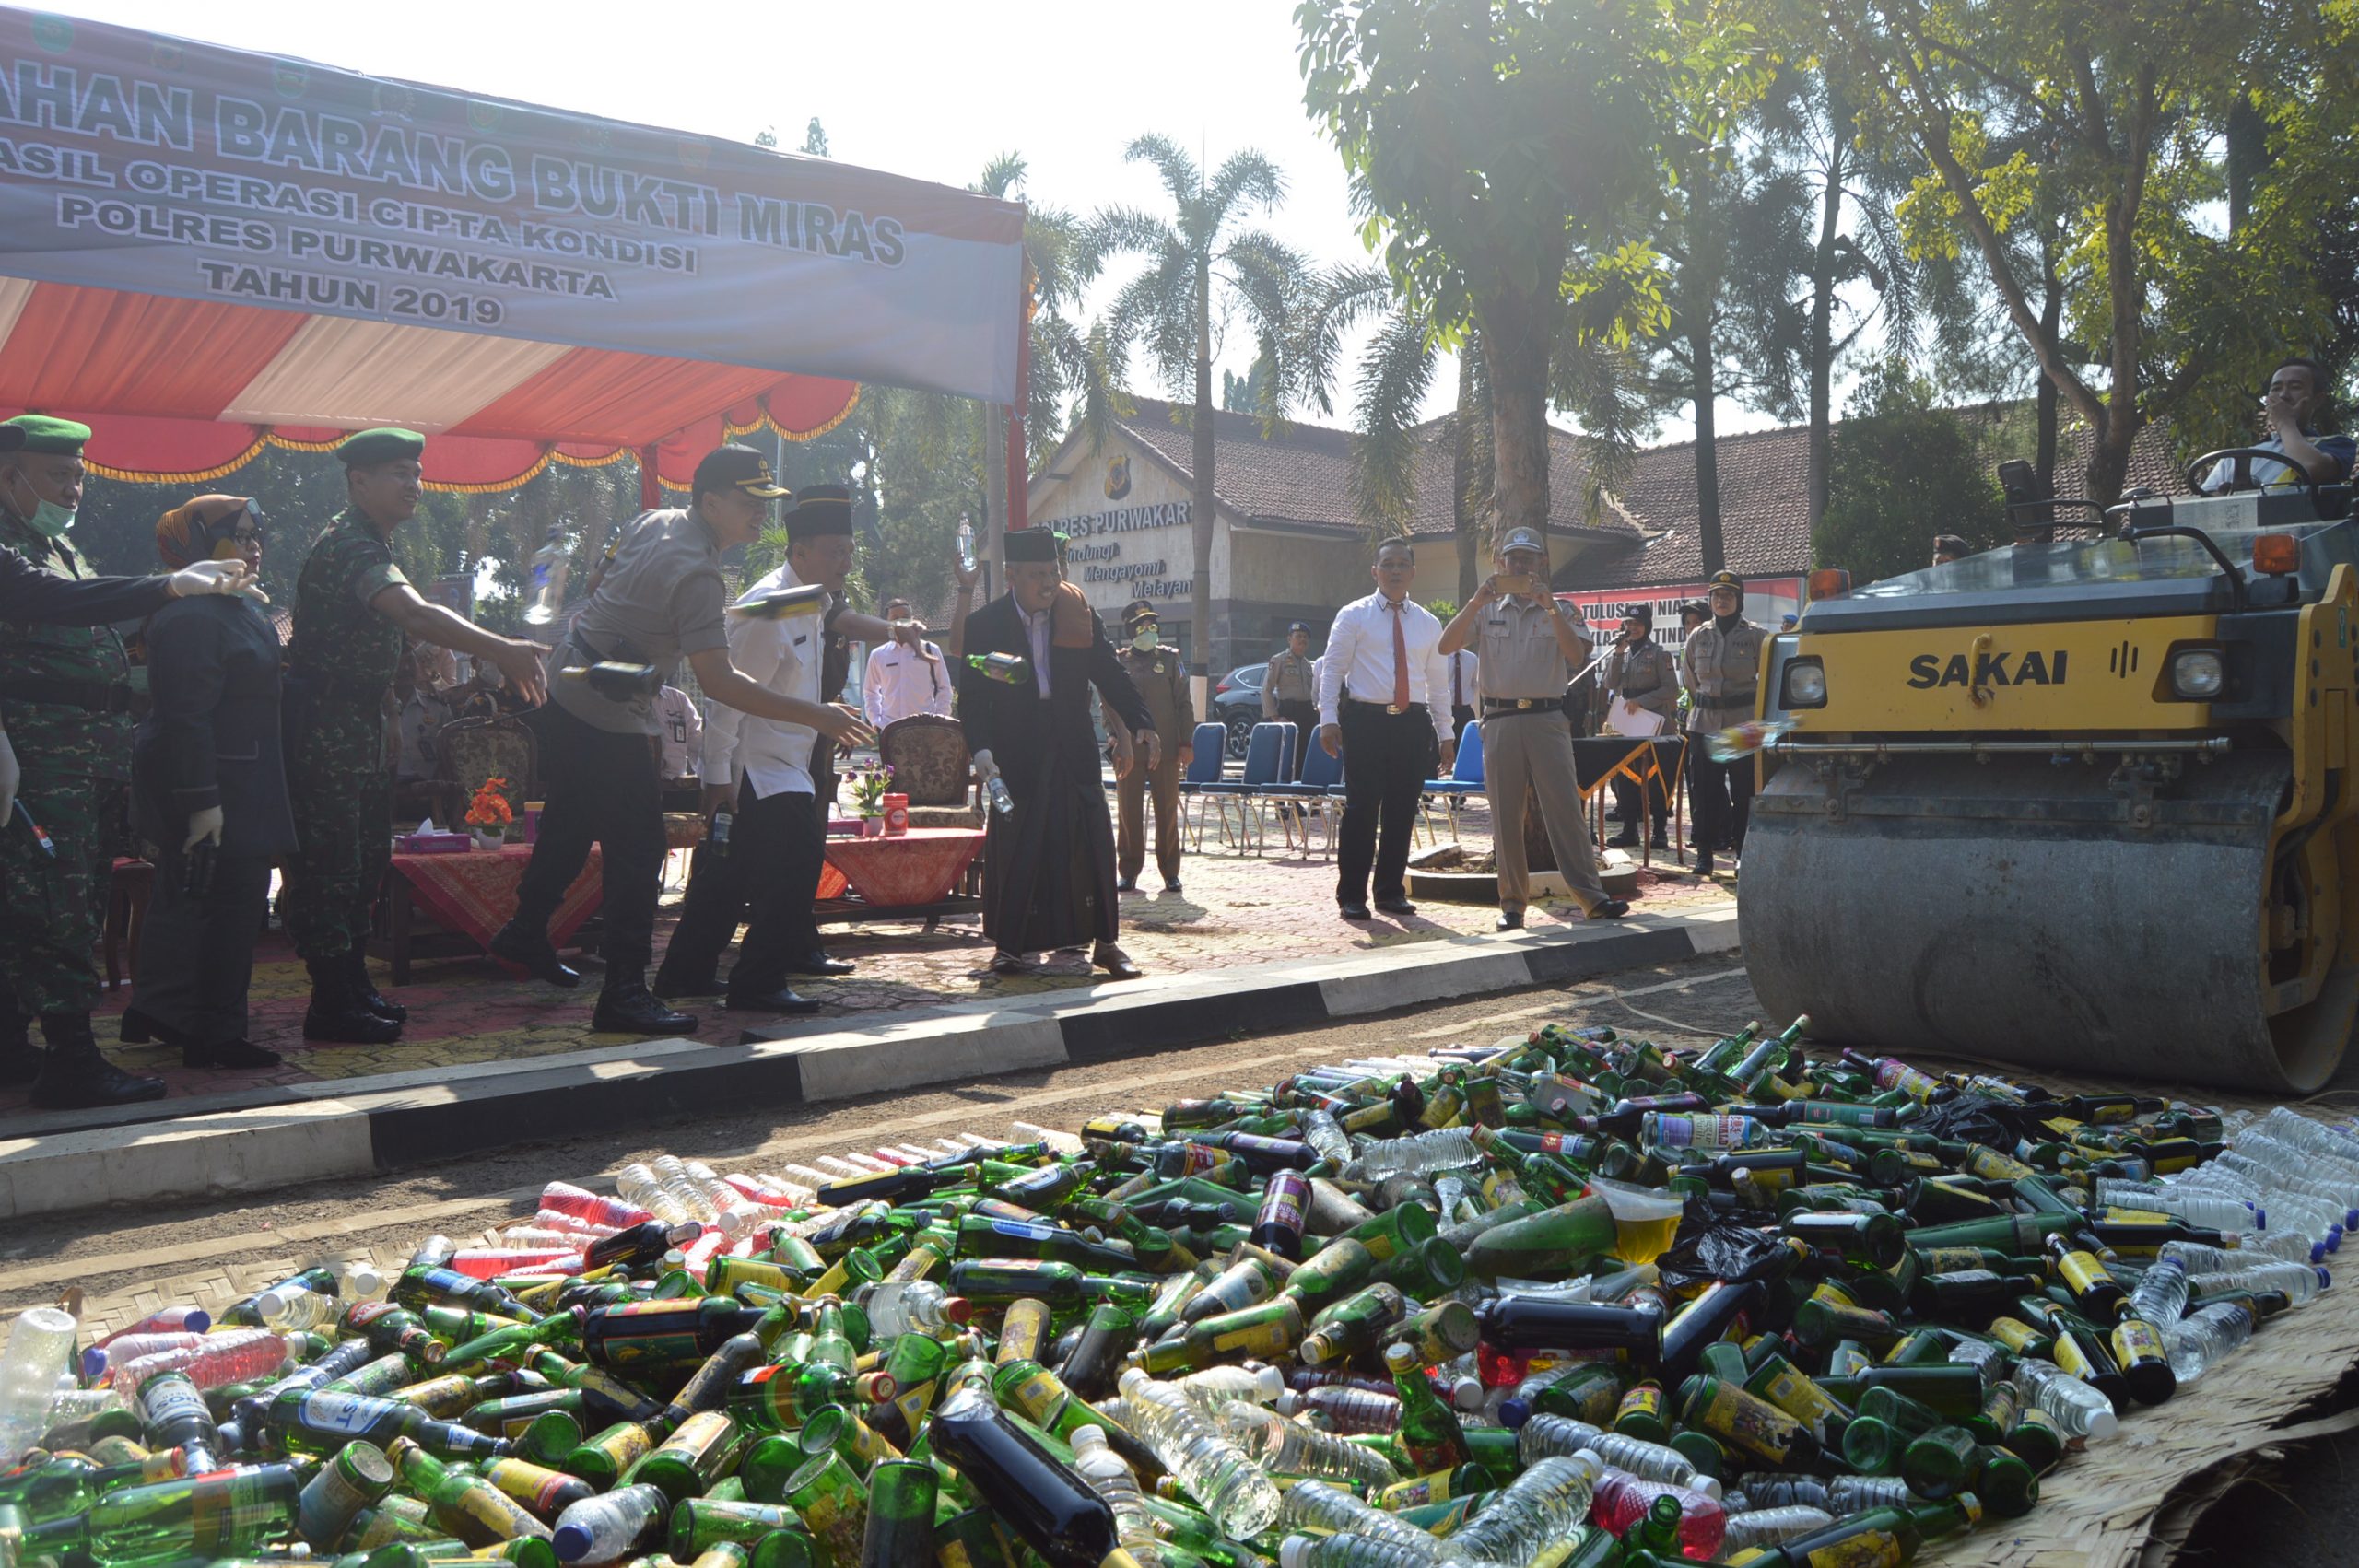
<point x="928" y="756"/>
<point x="473" y="750"/>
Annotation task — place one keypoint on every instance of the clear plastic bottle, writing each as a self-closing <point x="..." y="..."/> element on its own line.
<point x="2311" y="1137"/>
<point x="131" y="1346"/>
<point x="286" y="1310"/>
<point x="550" y="564"/>
<point x="2078" y="1410"/>
<point x="1343" y="1408"/>
<point x="2203" y="1336"/>
<point x="361" y="1280"/>
<point x="1767" y="1489"/>
<point x="1545" y="1435"/>
<point x="1109" y="1476"/>
<point x="579" y="1201"/>
<point x="1217" y="1386"/>
<point x="1767" y="1527"/>
<point x="1537" y="1290"/>
<point x="1985" y="1358"/>
<point x="683" y="1189"/>
<point x="903" y="1306"/>
<point x="1288" y="1448"/>
<point x="37" y="1363"/>
<point x="1545" y="1502"/>
<point x="490" y="1262"/>
<point x="1847" y="1496"/>
<point x="1317" y="1507"/>
<point x="1211" y="1469"/>
<point x="966" y="542"/>
<point x="2300" y="1282"/>
<point x="739" y="1218"/>
<point x="638" y="1186"/>
<point x="1622" y="1501"/>
<point x="1462" y="1382"/>
<point x="1325" y="1134"/>
<point x="2159" y="1297"/>
<point x="241" y="1355"/>
<point x="1444" y="1148"/>
<point x="2208" y="1210"/>
<point x="605" y="1528"/>
<point x="1349" y="1550"/>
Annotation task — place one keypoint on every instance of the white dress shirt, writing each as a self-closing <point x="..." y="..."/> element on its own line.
<point x="784" y="656"/>
<point x="1359" y="654"/>
<point x="682" y="732"/>
<point x="1465" y="678"/>
<point x="900" y="683"/>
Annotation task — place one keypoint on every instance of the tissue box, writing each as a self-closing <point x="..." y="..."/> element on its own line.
<point x="437" y="843"/>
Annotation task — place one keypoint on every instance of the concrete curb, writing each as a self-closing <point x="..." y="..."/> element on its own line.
<point x="262" y="1140"/>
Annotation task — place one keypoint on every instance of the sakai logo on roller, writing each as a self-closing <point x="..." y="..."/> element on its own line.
<point x="2032" y="669"/>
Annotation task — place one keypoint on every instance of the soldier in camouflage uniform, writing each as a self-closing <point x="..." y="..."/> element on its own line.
<point x="353" y="608"/>
<point x="66" y="703"/>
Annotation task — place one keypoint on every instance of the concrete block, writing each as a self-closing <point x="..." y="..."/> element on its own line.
<point x="840" y="1066"/>
<point x="234" y="1152"/>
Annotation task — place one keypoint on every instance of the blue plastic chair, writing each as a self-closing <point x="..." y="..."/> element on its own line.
<point x="1321" y="786"/>
<point x="1268" y="758"/>
<point x="1465" y="779"/>
<point x="1202" y="781"/>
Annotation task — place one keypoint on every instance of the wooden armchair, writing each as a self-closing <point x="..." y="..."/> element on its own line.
<point x="473" y="750"/>
<point x="928" y="756"/>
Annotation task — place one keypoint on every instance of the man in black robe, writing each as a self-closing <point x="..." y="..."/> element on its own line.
<point x="1048" y="864"/>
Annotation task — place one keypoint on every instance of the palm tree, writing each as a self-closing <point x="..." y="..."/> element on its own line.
<point x="1202" y="267"/>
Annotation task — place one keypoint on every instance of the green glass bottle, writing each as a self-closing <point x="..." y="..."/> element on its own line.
<point x="1548" y="1244"/>
<point x="226" y="1514"/>
<point x="1887" y="1422"/>
<point x="66" y="1484"/>
<point x="1429" y="1431"/>
<point x="469" y="1507"/>
<point x="699" y="1525"/>
<point x="706" y="1447"/>
<point x="1953" y="1389"/>
<point x="603" y="1456"/>
<point x="1266" y="1332"/>
<point x="1947" y="1461"/>
<point x="1794" y="1391"/>
<point x="831" y="1503"/>
<point x="997" y="1281"/>
<point x="901" y="1497"/>
<point x="1744" y="1420"/>
<point x="545" y="1491"/>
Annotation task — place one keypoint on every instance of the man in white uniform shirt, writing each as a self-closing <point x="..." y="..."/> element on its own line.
<point x="758" y="770"/>
<point x="682" y="732"/>
<point x="1394" y="732"/>
<point x="903" y="681"/>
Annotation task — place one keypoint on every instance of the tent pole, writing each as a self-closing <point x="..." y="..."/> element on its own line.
<point x="1018" y="471"/>
<point x="650" y="488"/>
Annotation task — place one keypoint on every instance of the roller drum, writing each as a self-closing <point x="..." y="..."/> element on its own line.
<point x="2031" y="912"/>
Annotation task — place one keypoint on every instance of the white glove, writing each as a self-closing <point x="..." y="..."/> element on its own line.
<point x="11" y="778"/>
<point x="203" y="825"/>
<point x="217" y="576"/>
<point x="985" y="768"/>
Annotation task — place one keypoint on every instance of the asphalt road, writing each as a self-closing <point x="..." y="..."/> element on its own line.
<point x="2303" y="1512"/>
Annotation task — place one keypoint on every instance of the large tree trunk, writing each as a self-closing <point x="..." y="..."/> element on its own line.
<point x="1822" y="306"/>
<point x="1699" y="288"/>
<point x="1461" y="479"/>
<point x="1515" y="355"/>
<point x="2046" y="400"/>
<point x="2109" y="452"/>
<point x="1201" y="515"/>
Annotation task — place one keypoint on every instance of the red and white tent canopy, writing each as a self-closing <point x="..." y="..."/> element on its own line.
<point x="203" y="251"/>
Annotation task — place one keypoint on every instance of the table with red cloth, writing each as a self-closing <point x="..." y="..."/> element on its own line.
<point x="472" y="894"/>
<point x="914" y="873"/>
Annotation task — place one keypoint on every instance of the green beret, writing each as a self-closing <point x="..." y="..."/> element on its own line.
<point x="44" y="433"/>
<point x="384" y="444"/>
<point x="1032" y="545"/>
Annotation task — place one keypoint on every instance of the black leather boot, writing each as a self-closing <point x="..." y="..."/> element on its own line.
<point x="365" y="990"/>
<point x="625" y="1007"/>
<point x="73" y="1076"/>
<point x="337" y="1015"/>
<point x="20" y="1059"/>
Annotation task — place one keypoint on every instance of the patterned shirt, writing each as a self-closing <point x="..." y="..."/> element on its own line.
<point x="347" y="650"/>
<point x="55" y="737"/>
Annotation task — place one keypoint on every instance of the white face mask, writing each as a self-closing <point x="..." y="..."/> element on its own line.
<point x="1146" y="639"/>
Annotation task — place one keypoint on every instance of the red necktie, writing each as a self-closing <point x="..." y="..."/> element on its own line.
<point x="1399" y="657"/>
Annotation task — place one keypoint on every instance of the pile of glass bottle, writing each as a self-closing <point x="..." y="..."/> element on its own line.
<point x="1396" y="1313"/>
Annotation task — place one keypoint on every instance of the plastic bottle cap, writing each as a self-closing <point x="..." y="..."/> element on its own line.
<point x="572" y="1542"/>
<point x="274" y="1301"/>
<point x="1088" y="1438"/>
<point x="1291" y="1551"/>
<point x="1514" y="1412"/>
<point x="1289" y="1403"/>
<point x="958" y="1309"/>
<point x="1270" y="1382"/>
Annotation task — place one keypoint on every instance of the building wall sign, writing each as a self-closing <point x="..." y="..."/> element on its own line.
<point x="1142" y="549"/>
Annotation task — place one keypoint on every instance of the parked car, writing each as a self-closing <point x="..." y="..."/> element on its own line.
<point x="1236" y="704"/>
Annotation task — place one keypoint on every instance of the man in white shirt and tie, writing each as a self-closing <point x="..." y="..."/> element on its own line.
<point x="758" y="771"/>
<point x="1394" y="732"/>
<point x="903" y="681"/>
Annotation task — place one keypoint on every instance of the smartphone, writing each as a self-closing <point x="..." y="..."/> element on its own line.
<point x="1510" y="582"/>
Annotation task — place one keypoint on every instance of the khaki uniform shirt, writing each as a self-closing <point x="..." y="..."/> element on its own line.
<point x="1293" y="678"/>
<point x="1515" y="649"/>
<point x="1162" y="679"/>
<point x="1723" y="669"/>
<point x="1647" y="675"/>
<point x="661" y="598"/>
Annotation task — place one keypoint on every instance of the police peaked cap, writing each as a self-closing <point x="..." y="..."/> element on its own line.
<point x="1139" y="610"/>
<point x="46" y="433"/>
<point x="819" y="511"/>
<point x="1032" y="545"/>
<point x="387" y="443"/>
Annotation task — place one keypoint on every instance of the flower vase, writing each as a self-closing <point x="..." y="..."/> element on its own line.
<point x="872" y="827"/>
<point x="491" y="839"/>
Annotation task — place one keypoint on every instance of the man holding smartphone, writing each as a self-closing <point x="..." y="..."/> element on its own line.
<point x="1530" y="641"/>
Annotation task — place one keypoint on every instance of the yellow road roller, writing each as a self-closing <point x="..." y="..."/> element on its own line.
<point x="2086" y="805"/>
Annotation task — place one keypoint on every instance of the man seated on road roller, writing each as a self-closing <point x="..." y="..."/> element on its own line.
<point x="2295" y="402"/>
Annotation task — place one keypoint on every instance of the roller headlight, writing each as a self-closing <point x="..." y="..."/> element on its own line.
<point x="1805" y="684"/>
<point x="2198" y="674"/>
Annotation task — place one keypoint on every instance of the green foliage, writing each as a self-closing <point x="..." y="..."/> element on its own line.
<point x="1905" y="470"/>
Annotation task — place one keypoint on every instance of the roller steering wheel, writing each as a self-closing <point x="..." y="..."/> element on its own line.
<point x="2240" y="475"/>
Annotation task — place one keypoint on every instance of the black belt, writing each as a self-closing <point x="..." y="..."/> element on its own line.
<point x="1522" y="704"/>
<point x="95" y="696"/>
<point x="1393" y="709"/>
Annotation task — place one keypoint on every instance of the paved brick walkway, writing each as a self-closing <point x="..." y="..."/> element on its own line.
<point x="1238" y="910"/>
